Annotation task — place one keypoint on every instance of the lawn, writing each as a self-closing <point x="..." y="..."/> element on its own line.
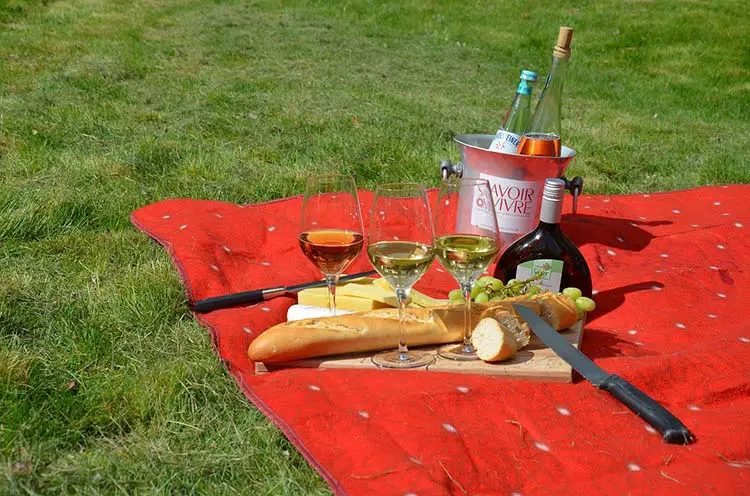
<point x="107" y="385"/>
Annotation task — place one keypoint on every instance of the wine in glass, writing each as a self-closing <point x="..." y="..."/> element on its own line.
<point x="466" y="252"/>
<point x="331" y="232"/>
<point x="400" y="248"/>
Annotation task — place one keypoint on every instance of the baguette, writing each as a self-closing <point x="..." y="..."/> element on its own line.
<point x="358" y="332"/>
<point x="558" y="311"/>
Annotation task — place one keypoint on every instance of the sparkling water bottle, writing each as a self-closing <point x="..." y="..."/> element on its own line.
<point x="516" y="119"/>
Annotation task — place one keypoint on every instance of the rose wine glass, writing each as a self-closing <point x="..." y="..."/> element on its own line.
<point x="400" y="248"/>
<point x="331" y="231"/>
<point x="466" y="252"/>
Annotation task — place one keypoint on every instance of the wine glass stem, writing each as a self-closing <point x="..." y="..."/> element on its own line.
<point x="466" y="289"/>
<point x="403" y="351"/>
<point x="331" y="281"/>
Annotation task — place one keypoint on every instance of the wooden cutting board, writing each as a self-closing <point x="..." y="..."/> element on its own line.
<point x="535" y="362"/>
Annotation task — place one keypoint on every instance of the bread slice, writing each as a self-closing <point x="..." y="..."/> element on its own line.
<point x="493" y="341"/>
<point x="558" y="311"/>
<point x="511" y="321"/>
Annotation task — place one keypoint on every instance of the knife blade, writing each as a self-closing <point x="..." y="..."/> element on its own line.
<point x="259" y="295"/>
<point x="673" y="431"/>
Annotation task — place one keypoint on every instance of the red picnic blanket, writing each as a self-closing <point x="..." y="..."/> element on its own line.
<point x="669" y="271"/>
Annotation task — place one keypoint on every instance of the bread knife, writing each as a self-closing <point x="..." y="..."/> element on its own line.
<point x="672" y="430"/>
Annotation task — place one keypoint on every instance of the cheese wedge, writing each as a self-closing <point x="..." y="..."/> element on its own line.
<point x="318" y="297"/>
<point x="369" y="291"/>
<point x="415" y="296"/>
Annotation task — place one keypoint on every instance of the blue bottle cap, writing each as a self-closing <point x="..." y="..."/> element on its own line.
<point x="527" y="75"/>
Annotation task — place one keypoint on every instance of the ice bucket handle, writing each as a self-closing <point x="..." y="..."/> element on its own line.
<point x="449" y="169"/>
<point x="575" y="186"/>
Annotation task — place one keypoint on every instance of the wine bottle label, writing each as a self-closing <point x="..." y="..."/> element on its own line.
<point x="516" y="205"/>
<point x="551" y="277"/>
<point x="505" y="142"/>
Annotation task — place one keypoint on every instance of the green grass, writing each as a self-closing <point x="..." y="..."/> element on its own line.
<point x="108" y="106"/>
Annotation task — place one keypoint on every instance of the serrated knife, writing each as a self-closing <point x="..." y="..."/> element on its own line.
<point x="672" y="430"/>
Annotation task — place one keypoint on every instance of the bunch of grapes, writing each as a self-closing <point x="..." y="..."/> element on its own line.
<point x="492" y="289"/>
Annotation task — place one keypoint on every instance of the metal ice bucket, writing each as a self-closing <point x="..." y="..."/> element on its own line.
<point x="517" y="182"/>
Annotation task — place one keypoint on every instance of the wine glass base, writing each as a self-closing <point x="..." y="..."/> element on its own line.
<point x="408" y="360"/>
<point x="458" y="352"/>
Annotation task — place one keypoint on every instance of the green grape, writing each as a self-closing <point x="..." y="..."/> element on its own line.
<point x="456" y="295"/>
<point x="475" y="290"/>
<point x="495" y="285"/>
<point x="585" y="304"/>
<point x="532" y="290"/>
<point x="482" y="298"/>
<point x="572" y="293"/>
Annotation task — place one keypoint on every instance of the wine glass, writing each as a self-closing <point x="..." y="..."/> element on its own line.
<point x="466" y="243"/>
<point x="331" y="231"/>
<point x="400" y="248"/>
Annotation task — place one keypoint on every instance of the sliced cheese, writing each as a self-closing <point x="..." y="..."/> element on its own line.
<point x="415" y="296"/>
<point x="318" y="297"/>
<point x="372" y="292"/>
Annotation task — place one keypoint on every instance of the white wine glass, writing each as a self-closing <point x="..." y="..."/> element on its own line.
<point x="331" y="231"/>
<point x="400" y="248"/>
<point x="465" y="247"/>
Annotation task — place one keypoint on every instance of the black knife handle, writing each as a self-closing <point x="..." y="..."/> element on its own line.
<point x="672" y="430"/>
<point x="236" y="299"/>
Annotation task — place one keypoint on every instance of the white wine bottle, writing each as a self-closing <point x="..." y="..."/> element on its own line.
<point x="542" y="137"/>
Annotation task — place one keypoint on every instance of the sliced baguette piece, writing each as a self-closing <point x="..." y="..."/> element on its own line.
<point x="558" y="311"/>
<point x="512" y="322"/>
<point x="493" y="341"/>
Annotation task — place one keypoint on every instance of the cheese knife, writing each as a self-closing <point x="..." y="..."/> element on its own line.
<point x="672" y="430"/>
<point x="259" y="295"/>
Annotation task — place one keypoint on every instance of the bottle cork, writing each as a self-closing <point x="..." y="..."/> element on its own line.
<point x="562" y="48"/>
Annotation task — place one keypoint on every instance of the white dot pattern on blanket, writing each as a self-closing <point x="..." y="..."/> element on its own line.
<point x="227" y="249"/>
<point x="650" y="429"/>
<point x="313" y="387"/>
<point x="214" y="267"/>
<point x="415" y="460"/>
<point x="516" y="493"/>
<point x="363" y="414"/>
<point x="462" y="389"/>
<point x="725" y="214"/>
<point x="563" y="411"/>
<point x="675" y="211"/>
<point x="594" y="292"/>
<point x="721" y="295"/>
<point x="271" y="228"/>
<point x="410" y="494"/>
<point x="632" y="332"/>
<point x="637" y="343"/>
<point x="656" y="288"/>
<point x="266" y="263"/>
<point x="694" y="408"/>
<point x="680" y="325"/>
<point x="717" y="204"/>
<point x="721" y="247"/>
<point x="713" y="267"/>
<point x="694" y="225"/>
<point x="265" y="309"/>
<point x="165" y="216"/>
<point x="634" y="467"/>
<point x="737" y="224"/>
<point x="540" y="445"/>
<point x="711" y="315"/>
<point x="736" y="465"/>
<point x="664" y="255"/>
<point x="620" y="239"/>
<point x="450" y="428"/>
<point x="247" y="329"/>
<point x="743" y="339"/>
<point x="182" y="227"/>
<point x="218" y="215"/>
<point x="611" y="253"/>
